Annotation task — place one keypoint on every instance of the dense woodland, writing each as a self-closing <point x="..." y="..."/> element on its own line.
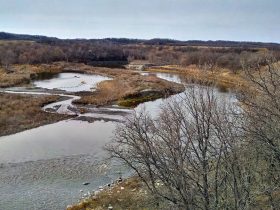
<point x="27" y="49"/>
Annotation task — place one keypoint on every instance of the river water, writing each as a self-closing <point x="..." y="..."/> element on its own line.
<point x="45" y="167"/>
<point x="71" y="82"/>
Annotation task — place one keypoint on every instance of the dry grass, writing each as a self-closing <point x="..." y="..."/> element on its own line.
<point x="131" y="194"/>
<point x="262" y="201"/>
<point x="124" y="83"/>
<point x="8" y="42"/>
<point x="129" y="86"/>
<point x="21" y="74"/>
<point x="21" y="112"/>
<point x="222" y="78"/>
<point x="12" y="79"/>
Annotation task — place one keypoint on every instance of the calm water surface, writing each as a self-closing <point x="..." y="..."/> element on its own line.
<point x="44" y="168"/>
<point x="71" y="82"/>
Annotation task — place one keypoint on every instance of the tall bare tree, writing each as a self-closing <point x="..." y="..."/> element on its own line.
<point x="186" y="154"/>
<point x="262" y="125"/>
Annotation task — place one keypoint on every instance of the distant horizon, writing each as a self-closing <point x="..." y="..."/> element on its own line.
<point x="161" y="38"/>
<point x="235" y="20"/>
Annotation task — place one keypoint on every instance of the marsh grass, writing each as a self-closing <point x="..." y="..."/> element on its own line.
<point x="123" y="82"/>
<point x="224" y="79"/>
<point x="130" y="89"/>
<point x="21" y="112"/>
<point x="134" y="101"/>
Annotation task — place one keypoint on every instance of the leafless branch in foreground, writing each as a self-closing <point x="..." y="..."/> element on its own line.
<point x="189" y="154"/>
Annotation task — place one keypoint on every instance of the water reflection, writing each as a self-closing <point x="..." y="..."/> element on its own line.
<point x="44" y="168"/>
<point x="153" y="107"/>
<point x="70" y="137"/>
<point x="166" y="76"/>
<point x="43" y="76"/>
<point x="71" y="82"/>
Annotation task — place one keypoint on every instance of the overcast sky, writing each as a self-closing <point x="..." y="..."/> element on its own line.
<point x="246" y="20"/>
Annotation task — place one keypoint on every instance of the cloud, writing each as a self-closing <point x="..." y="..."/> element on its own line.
<point x="254" y="20"/>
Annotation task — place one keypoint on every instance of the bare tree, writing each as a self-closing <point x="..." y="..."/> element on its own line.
<point x="263" y="105"/>
<point x="186" y="154"/>
<point x="7" y="57"/>
<point x="262" y="125"/>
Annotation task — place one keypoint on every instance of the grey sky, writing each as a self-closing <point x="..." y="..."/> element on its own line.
<point x="251" y="20"/>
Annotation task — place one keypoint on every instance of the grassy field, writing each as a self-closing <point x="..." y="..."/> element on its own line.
<point x="21" y="112"/>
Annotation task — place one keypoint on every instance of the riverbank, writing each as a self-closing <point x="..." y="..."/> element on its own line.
<point x="224" y="79"/>
<point x="129" y="90"/>
<point x="122" y="201"/>
<point x="123" y="196"/>
<point x="126" y="88"/>
<point x="133" y="194"/>
<point x="128" y="194"/>
<point x="21" y="112"/>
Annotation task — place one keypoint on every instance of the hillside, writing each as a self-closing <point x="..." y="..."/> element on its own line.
<point x="155" y="41"/>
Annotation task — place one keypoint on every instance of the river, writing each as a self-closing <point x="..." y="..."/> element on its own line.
<point x="45" y="167"/>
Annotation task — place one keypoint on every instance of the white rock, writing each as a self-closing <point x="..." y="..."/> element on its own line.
<point x="96" y="192"/>
<point x="69" y="206"/>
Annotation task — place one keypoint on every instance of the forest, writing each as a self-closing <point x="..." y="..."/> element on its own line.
<point x="28" y="49"/>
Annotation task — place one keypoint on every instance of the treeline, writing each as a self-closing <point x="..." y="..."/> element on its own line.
<point x="27" y="49"/>
<point x="26" y="52"/>
<point x="204" y="57"/>
<point x="156" y="41"/>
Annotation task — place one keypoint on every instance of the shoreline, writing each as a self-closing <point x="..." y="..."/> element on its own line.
<point x="31" y="117"/>
<point x="126" y="88"/>
<point x="222" y="78"/>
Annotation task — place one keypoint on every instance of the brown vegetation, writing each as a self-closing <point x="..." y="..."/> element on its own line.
<point x="22" y="74"/>
<point x="222" y="78"/>
<point x="130" y="89"/>
<point x="124" y="84"/>
<point x="21" y="112"/>
<point x="126" y="88"/>
<point x="117" y="52"/>
<point x="206" y="158"/>
<point x="206" y="153"/>
<point x="130" y="194"/>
